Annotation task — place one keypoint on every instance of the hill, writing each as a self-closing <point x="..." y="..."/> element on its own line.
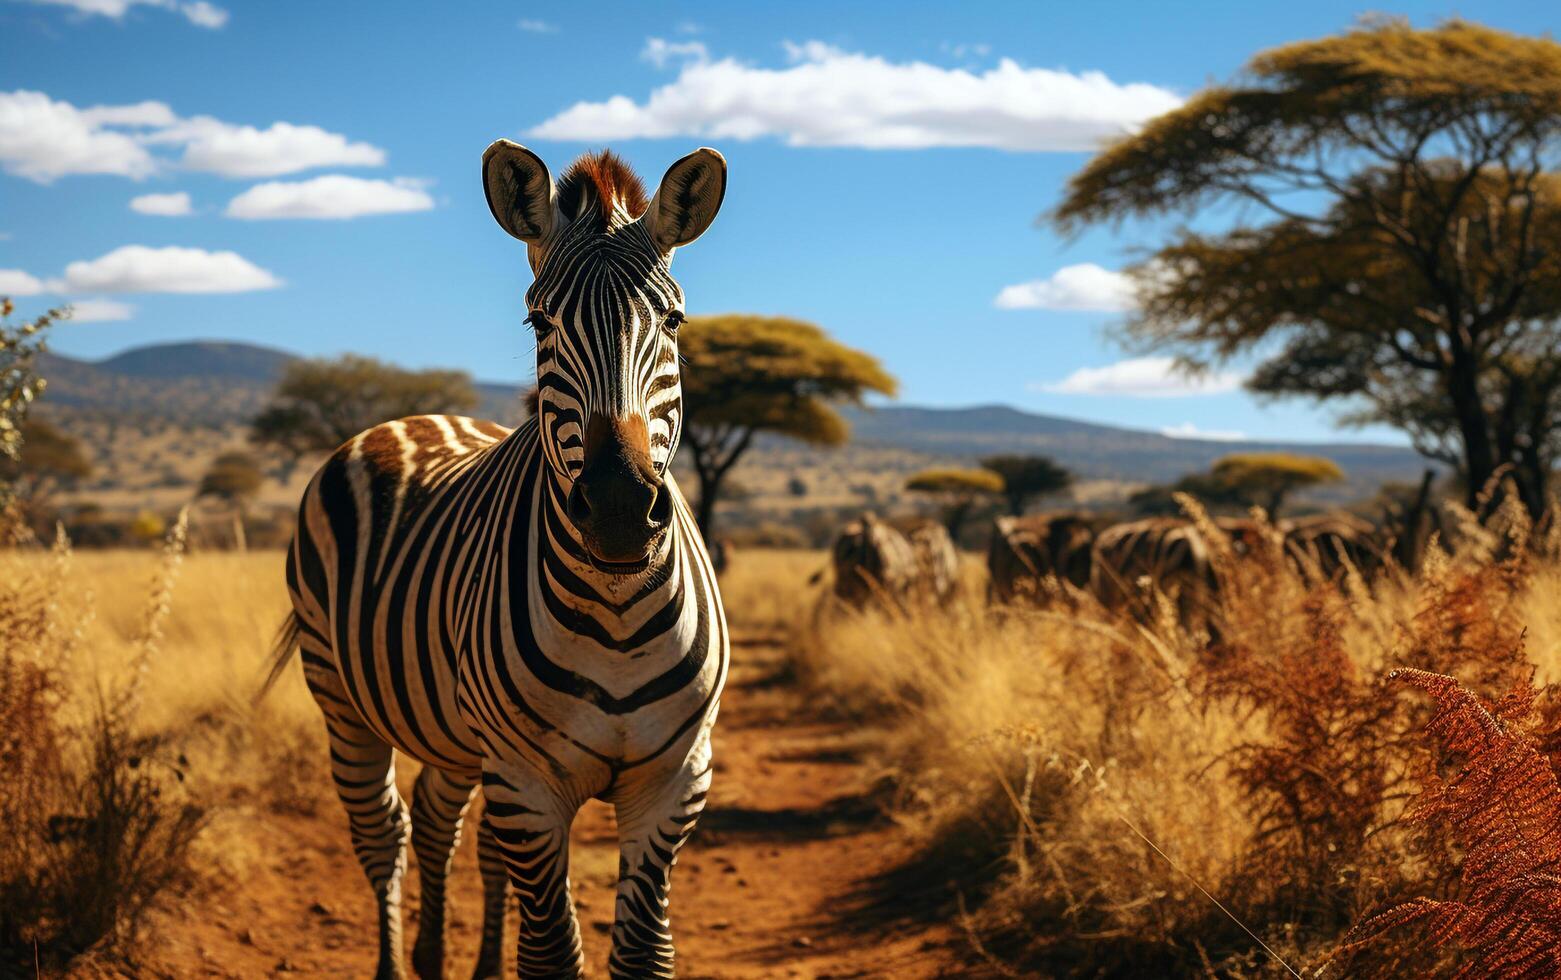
<point x="153" y="416"/>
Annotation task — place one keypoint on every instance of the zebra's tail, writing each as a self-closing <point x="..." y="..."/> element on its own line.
<point x="283" y="649"/>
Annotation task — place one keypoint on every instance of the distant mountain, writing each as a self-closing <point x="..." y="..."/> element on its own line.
<point x="1101" y="451"/>
<point x="200" y="359"/>
<point x="212" y="384"/>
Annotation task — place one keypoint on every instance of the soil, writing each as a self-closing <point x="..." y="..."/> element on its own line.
<point x="783" y="877"/>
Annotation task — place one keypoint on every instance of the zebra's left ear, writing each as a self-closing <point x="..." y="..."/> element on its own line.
<point x="687" y="200"/>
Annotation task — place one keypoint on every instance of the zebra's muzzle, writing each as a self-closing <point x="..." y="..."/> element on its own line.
<point x="620" y="505"/>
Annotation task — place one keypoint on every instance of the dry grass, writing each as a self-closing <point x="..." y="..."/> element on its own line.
<point x="1097" y="796"/>
<point x="1081" y="789"/>
<point x="133" y="755"/>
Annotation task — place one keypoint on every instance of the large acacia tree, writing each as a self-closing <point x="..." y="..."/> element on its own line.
<point x="1407" y="248"/>
<point x="750" y="374"/>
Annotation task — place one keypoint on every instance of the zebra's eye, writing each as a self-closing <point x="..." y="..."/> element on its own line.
<point x="672" y="321"/>
<point x="540" y="324"/>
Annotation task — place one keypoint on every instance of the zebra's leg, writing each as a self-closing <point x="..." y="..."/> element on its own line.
<point x="655" y="818"/>
<point x="439" y="803"/>
<point x="531" y="825"/>
<point x="495" y="889"/>
<point x="364" y="770"/>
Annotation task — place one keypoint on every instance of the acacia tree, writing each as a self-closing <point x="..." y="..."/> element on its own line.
<point x="318" y="405"/>
<point x="1027" y="477"/>
<point x="1408" y="260"/>
<point x="751" y="374"/>
<point x="234" y="478"/>
<point x="958" y="490"/>
<point x="1266" y="479"/>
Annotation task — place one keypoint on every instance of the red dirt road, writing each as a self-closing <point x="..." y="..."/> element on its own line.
<point x="769" y="886"/>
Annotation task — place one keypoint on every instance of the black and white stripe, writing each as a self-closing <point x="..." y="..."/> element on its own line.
<point x="449" y="606"/>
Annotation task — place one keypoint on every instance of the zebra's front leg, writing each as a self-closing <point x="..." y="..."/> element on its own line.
<point x="656" y="815"/>
<point x="530" y="821"/>
<point x="364" y="770"/>
<point x="439" y="803"/>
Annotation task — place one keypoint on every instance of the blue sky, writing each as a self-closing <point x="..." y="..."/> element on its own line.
<point x="887" y="164"/>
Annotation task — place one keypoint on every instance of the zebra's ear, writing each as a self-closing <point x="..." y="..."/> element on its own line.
<point x="687" y="200"/>
<point x="520" y="191"/>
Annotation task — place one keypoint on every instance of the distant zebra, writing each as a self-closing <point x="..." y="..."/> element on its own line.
<point x="1168" y="555"/>
<point x="530" y="609"/>
<point x="1321" y="545"/>
<point x="1024" y="550"/>
<point x="876" y="562"/>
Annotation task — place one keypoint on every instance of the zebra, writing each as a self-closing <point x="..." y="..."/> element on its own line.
<point x="877" y="562"/>
<point x="1169" y="555"/>
<point x="1024" y="550"/>
<point x="531" y="610"/>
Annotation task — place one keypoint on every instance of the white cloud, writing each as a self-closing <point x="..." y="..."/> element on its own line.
<point x="218" y="147"/>
<point x="330" y="196"/>
<point x="831" y="97"/>
<point x="203" y="14"/>
<point x="536" y="26"/>
<point x="15" y="282"/>
<point x="1144" y="377"/>
<point x="43" y="139"/>
<point x="1085" y="286"/>
<point x="165" y="205"/>
<point x="200" y="13"/>
<point x="1189" y="431"/>
<point x="99" y="310"/>
<point x="142" y="269"/>
<point x="659" y="51"/>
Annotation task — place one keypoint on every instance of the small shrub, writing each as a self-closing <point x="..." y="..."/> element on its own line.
<point x="97" y="826"/>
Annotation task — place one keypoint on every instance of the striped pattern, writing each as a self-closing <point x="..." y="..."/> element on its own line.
<point x="1123" y="562"/>
<point x="874" y="562"/>
<point x="1023" y="551"/>
<point x="448" y="607"/>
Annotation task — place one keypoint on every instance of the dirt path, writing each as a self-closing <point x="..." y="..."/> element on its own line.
<point x="765" y="889"/>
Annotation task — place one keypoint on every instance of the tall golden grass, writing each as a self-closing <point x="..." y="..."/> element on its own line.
<point x="1093" y="795"/>
<point x="1086" y="793"/>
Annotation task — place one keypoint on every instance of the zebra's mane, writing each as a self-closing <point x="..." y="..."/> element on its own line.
<point x="596" y="186"/>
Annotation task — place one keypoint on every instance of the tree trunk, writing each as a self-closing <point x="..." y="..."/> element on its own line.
<point x="1276" y="499"/>
<point x="704" y="507"/>
<point x="1473" y="428"/>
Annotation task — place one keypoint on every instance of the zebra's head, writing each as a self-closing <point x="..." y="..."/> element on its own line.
<point x="606" y="310"/>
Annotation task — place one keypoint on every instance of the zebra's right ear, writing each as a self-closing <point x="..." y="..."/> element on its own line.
<point x="520" y="191"/>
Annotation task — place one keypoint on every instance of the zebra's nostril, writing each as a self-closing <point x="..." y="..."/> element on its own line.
<point x="578" y="508"/>
<point x="660" y="507"/>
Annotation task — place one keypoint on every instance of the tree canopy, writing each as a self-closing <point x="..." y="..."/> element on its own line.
<point x="320" y="404"/>
<point x="1027" y="477"/>
<point x="1266" y="479"/>
<point x="955" y="481"/>
<point x="1242" y="480"/>
<point x="748" y="374"/>
<point x="1406" y="264"/>
<point x="234" y="477"/>
<point x="47" y="457"/>
<point x="959" y="489"/>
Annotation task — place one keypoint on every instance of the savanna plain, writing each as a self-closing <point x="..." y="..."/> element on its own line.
<point x="1341" y="776"/>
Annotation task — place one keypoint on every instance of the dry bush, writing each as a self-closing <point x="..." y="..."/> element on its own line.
<point x="1095" y="794"/>
<point x="97" y="824"/>
<point x="136" y="762"/>
<point x="1495" y="796"/>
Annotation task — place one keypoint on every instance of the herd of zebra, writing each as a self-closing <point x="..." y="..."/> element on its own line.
<point x="874" y="560"/>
